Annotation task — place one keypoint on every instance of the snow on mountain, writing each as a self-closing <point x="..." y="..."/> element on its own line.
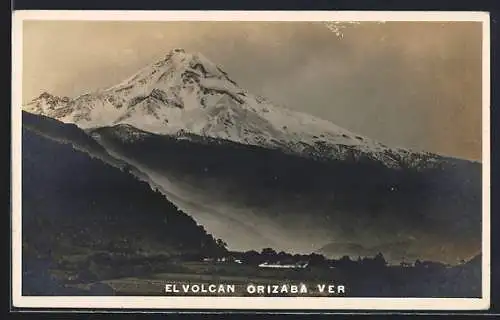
<point x="187" y="93"/>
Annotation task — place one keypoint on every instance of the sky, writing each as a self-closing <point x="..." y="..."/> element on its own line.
<point x="407" y="84"/>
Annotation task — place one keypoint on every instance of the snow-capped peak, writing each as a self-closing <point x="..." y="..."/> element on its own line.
<point x="186" y="92"/>
<point x="176" y="67"/>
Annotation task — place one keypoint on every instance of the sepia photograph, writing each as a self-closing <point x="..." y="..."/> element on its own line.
<point x="250" y="160"/>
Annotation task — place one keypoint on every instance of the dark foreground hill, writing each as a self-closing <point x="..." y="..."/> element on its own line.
<point x="88" y="220"/>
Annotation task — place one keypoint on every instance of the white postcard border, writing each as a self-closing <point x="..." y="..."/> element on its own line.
<point x="247" y="303"/>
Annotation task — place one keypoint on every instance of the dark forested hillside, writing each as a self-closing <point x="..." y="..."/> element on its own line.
<point x="297" y="204"/>
<point x="80" y="213"/>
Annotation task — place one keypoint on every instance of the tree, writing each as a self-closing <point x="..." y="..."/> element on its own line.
<point x="379" y="260"/>
<point x="316" y="259"/>
<point x="344" y="262"/>
<point x="251" y="257"/>
<point x="219" y="248"/>
<point x="268" y="254"/>
<point x="283" y="255"/>
<point x="221" y="244"/>
<point x="345" y="258"/>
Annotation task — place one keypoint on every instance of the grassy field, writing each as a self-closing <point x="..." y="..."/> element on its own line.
<point x="156" y="286"/>
<point x="238" y="276"/>
<point x="130" y="277"/>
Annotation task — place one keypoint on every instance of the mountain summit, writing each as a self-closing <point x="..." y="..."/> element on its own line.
<point x="186" y="93"/>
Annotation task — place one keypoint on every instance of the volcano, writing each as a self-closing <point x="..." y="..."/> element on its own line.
<point x="260" y="175"/>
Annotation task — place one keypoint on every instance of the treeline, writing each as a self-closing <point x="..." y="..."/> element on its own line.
<point x="270" y="256"/>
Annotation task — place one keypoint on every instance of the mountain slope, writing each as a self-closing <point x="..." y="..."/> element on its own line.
<point x="259" y="175"/>
<point x="256" y="197"/>
<point x="186" y="93"/>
